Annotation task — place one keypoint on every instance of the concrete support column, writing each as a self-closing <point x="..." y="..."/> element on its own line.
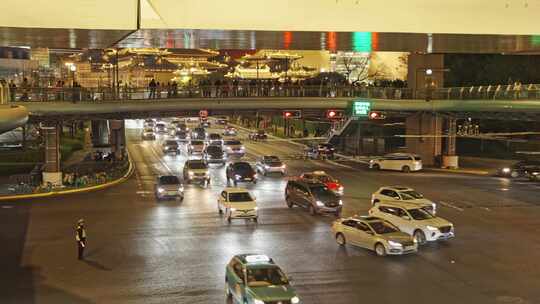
<point x="117" y="138"/>
<point x="425" y="131"/>
<point x="51" y="172"/>
<point x="100" y="133"/>
<point x="450" y="159"/>
<point x="417" y="78"/>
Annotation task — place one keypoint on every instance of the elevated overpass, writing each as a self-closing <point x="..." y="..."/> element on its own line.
<point x="417" y="25"/>
<point x="312" y="106"/>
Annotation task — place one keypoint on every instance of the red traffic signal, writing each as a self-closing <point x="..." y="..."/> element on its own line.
<point x="334" y="114"/>
<point x="376" y="115"/>
<point x="292" y="114"/>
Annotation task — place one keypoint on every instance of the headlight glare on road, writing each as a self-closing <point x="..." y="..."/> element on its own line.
<point x="431" y="228"/>
<point x="295" y="300"/>
<point x="535" y="173"/>
<point x="258" y="301"/>
<point x="319" y="203"/>
<point x="190" y="173"/>
<point x="394" y="244"/>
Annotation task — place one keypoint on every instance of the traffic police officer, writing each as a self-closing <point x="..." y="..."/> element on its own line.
<point x="80" y="237"/>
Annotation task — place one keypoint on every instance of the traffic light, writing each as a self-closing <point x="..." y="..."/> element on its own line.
<point x="376" y="115"/>
<point x="292" y="114"/>
<point x="334" y="114"/>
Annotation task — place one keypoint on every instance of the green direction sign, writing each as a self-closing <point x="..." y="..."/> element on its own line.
<point x="361" y="108"/>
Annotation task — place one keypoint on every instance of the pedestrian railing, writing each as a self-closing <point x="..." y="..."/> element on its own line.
<point x="490" y="92"/>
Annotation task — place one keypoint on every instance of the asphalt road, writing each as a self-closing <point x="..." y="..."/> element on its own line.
<point x="142" y="251"/>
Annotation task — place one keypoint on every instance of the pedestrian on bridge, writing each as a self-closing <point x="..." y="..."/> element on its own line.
<point x="80" y="237"/>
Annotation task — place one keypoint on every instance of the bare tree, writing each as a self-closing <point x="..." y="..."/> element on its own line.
<point x="357" y="69"/>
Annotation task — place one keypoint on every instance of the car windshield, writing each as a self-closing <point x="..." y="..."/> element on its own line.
<point x="266" y="277"/>
<point x="181" y="133"/>
<point x="232" y="142"/>
<point x="417" y="158"/>
<point x="169" y="180"/>
<point x="382" y="227"/>
<point x="420" y="214"/>
<point x="214" y="149"/>
<point x="242" y="168"/>
<point x="321" y="192"/>
<point x="410" y="195"/>
<point x="239" y="197"/>
<point x="197" y="165"/>
<point x="214" y="136"/>
<point x="196" y="142"/>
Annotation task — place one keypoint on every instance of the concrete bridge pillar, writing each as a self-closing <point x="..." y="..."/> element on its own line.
<point x="51" y="172"/>
<point x="424" y="136"/>
<point x="100" y="133"/>
<point x="425" y="72"/>
<point x="117" y="137"/>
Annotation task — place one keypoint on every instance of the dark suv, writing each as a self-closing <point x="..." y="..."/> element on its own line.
<point x="519" y="169"/>
<point x="214" y="154"/>
<point x="314" y="196"/>
<point x="241" y="172"/>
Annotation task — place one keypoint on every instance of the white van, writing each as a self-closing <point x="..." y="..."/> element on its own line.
<point x="404" y="162"/>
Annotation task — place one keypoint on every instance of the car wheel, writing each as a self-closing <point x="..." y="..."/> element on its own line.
<point x="289" y="202"/>
<point x="376" y="167"/>
<point x="254" y="182"/>
<point x="406" y="169"/>
<point x="380" y="250"/>
<point x="340" y="239"/>
<point x="312" y="210"/>
<point x="264" y="173"/>
<point x="256" y="219"/>
<point x="514" y="174"/>
<point x="229" y="219"/>
<point x="235" y="183"/>
<point x="420" y="237"/>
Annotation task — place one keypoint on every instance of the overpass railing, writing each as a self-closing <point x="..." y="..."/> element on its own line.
<point x="503" y="92"/>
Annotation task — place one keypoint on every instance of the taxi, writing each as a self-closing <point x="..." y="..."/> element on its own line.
<point x="324" y="178"/>
<point x="256" y="279"/>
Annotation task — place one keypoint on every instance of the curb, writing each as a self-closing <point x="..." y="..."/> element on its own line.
<point x="120" y="180"/>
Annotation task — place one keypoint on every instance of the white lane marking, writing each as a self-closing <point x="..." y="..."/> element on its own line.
<point x="450" y="205"/>
<point x="339" y="165"/>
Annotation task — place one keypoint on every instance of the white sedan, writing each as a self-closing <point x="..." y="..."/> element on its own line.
<point x="415" y="221"/>
<point x="237" y="203"/>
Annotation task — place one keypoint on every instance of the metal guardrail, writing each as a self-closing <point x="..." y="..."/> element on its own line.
<point x="491" y="92"/>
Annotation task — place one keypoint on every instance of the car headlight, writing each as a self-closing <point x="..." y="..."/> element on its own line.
<point x="319" y="203"/>
<point x="233" y="209"/>
<point x="283" y="166"/>
<point x="506" y="170"/>
<point x="394" y="244"/>
<point x="266" y="167"/>
<point x="258" y="301"/>
<point x="340" y="188"/>
<point x="340" y="202"/>
<point x="295" y="300"/>
<point x="535" y="173"/>
<point x="190" y="173"/>
<point x="166" y="148"/>
<point x="237" y="176"/>
<point x="160" y="190"/>
<point x="431" y="228"/>
<point x="254" y="175"/>
<point x="206" y="174"/>
<point x="181" y="189"/>
<point x="242" y="148"/>
<point x="256" y="208"/>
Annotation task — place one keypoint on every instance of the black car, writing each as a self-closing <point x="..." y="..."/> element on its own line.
<point x="171" y="146"/>
<point x="214" y="154"/>
<point x="320" y="151"/>
<point x="259" y="135"/>
<point x="241" y="172"/>
<point x="180" y="136"/>
<point x="518" y="169"/>
<point x="533" y="173"/>
<point x="314" y="196"/>
<point x="198" y="133"/>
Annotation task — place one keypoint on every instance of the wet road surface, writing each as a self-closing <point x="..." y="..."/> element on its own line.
<point x="143" y="251"/>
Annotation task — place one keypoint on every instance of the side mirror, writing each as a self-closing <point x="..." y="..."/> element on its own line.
<point x="369" y="232"/>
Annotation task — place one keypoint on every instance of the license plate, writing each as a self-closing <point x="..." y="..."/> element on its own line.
<point x="171" y="193"/>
